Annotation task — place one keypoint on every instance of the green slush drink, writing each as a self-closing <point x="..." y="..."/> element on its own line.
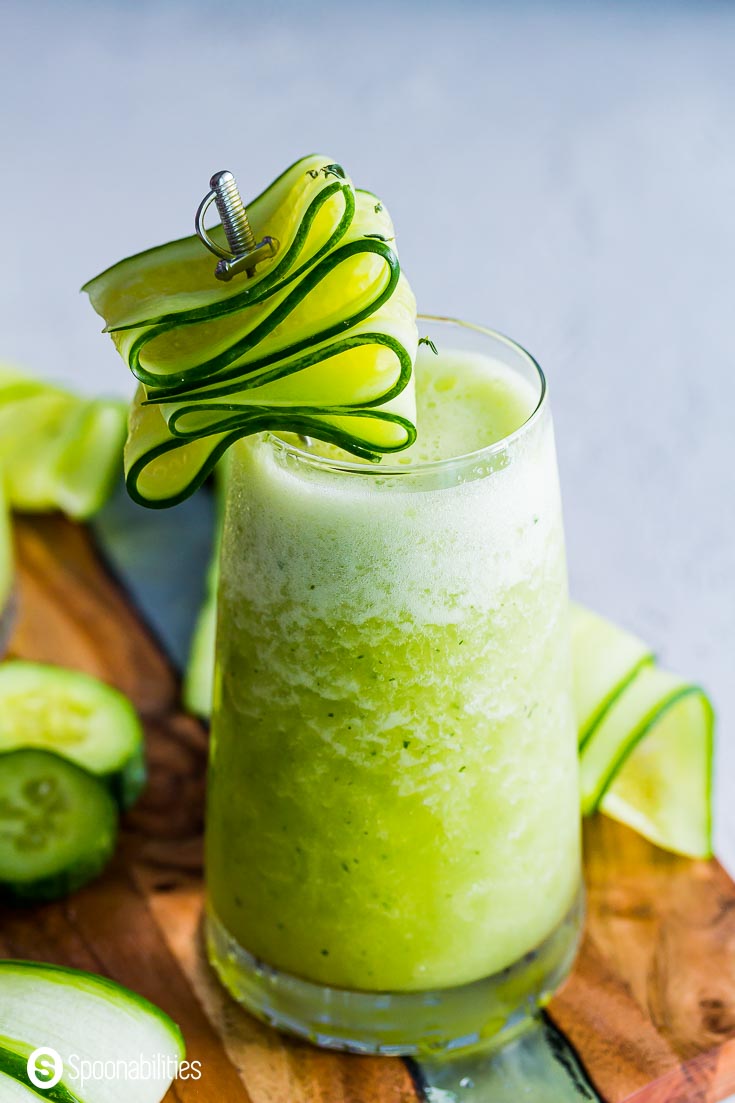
<point x="393" y="792"/>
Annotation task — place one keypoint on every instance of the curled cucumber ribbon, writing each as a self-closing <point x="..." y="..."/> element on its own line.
<point x="320" y="341"/>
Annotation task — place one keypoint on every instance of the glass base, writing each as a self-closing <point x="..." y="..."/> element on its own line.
<point x="399" y="1023"/>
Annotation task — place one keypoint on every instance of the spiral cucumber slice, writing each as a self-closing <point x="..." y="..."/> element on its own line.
<point x="91" y="1026"/>
<point x="646" y="739"/>
<point x="57" y="450"/>
<point x="321" y="341"/>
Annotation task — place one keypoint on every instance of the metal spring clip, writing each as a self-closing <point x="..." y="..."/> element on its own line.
<point x="244" y="252"/>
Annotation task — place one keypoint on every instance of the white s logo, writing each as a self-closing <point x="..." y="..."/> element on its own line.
<point x="45" y="1068"/>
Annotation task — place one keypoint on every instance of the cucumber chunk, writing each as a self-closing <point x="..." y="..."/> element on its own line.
<point x="91" y="457"/>
<point x="77" y="717"/>
<point x="57" y="450"/>
<point x="58" y="826"/>
<point x="87" y="1021"/>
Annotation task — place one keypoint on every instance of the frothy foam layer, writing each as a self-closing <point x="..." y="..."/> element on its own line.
<point x="451" y="388"/>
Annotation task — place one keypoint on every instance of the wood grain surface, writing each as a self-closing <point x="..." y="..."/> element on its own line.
<point x="649" y="1010"/>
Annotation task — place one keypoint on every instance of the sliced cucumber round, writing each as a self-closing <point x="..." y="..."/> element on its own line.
<point x="321" y="341"/>
<point x="107" y="1044"/>
<point x="75" y="716"/>
<point x="58" y="826"/>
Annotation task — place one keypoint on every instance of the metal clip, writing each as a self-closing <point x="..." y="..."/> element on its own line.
<point x="244" y="252"/>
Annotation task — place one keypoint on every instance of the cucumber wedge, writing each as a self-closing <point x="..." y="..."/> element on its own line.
<point x="75" y="716"/>
<point x="646" y="739"/>
<point x="58" y="827"/>
<point x="57" y="450"/>
<point x="321" y="341"/>
<point x="108" y="1044"/>
<point x="90" y="460"/>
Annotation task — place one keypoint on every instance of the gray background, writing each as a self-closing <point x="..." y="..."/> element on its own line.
<point x="563" y="172"/>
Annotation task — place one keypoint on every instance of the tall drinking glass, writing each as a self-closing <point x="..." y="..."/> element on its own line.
<point x="393" y="858"/>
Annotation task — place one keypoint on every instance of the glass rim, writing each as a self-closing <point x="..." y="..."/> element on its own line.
<point x="326" y="463"/>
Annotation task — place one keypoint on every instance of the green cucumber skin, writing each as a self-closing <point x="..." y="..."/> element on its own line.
<point x="15" y="1065"/>
<point x="56" y="886"/>
<point x="92" y="983"/>
<point x="127" y="784"/>
<point x="71" y="874"/>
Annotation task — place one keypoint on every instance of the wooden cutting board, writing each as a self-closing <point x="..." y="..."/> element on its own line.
<point x="648" y="1015"/>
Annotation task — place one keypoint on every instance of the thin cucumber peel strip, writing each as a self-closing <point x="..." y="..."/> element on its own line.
<point x="320" y="341"/>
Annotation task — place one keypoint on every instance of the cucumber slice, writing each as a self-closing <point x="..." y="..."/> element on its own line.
<point x="199" y="675"/>
<point x="321" y="341"/>
<point x="663" y="788"/>
<point x="75" y="716"/>
<point x="58" y="451"/>
<point x="89" y="1022"/>
<point x="606" y="660"/>
<point x="58" y="826"/>
<point x="31" y="433"/>
<point x="646" y="739"/>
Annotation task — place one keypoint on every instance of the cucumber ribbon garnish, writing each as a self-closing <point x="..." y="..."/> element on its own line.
<point x="320" y="341"/>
